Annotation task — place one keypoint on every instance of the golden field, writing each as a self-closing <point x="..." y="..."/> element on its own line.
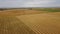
<point x="29" y="22"/>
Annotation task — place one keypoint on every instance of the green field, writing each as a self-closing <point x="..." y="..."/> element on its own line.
<point x="47" y="9"/>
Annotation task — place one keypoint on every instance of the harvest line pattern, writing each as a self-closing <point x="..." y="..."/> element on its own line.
<point x="11" y="25"/>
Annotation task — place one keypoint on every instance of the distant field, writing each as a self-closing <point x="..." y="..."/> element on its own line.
<point x="25" y="11"/>
<point x="38" y="9"/>
<point x="47" y="9"/>
<point x="19" y="12"/>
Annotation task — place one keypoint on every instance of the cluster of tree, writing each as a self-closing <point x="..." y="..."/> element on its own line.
<point x="1" y="9"/>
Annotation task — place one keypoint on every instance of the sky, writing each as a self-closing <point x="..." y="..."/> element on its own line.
<point x="29" y="3"/>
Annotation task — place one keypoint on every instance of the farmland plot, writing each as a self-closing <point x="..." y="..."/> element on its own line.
<point x="12" y="25"/>
<point x="47" y="23"/>
<point x="29" y="22"/>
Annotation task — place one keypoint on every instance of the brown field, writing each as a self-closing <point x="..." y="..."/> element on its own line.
<point x="29" y="22"/>
<point x="19" y="12"/>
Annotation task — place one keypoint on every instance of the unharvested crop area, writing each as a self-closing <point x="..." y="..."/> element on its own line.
<point x="29" y="22"/>
<point x="47" y="9"/>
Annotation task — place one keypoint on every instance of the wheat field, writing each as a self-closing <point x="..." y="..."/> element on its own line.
<point x="29" y="22"/>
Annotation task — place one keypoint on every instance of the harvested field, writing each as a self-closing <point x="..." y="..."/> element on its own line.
<point x="12" y="25"/>
<point x="29" y="22"/>
<point x="48" y="23"/>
